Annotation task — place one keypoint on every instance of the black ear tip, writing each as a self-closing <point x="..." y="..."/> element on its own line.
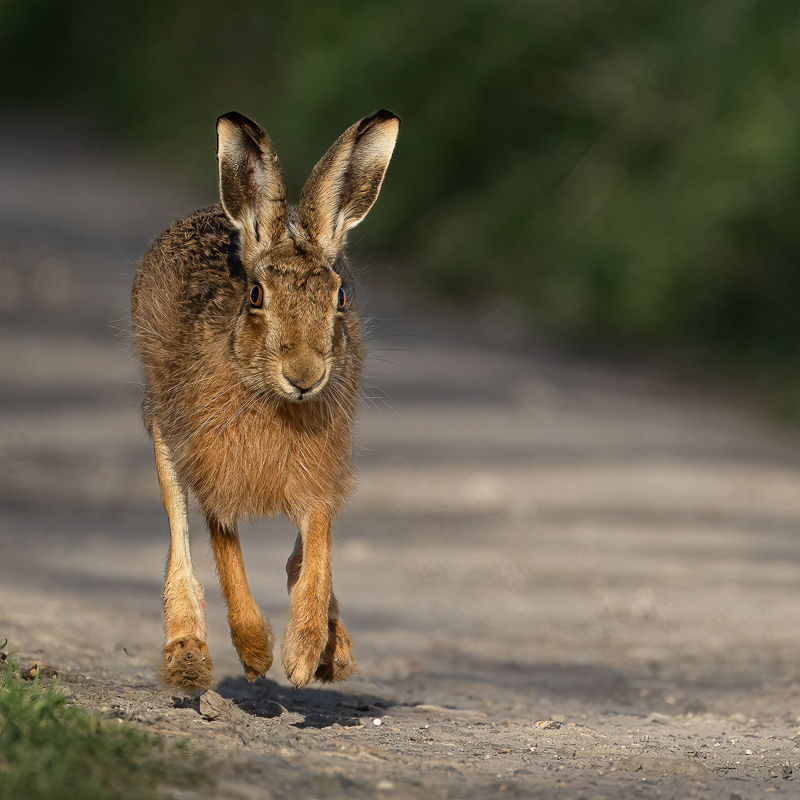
<point x="376" y="118"/>
<point x="242" y="126"/>
<point x="384" y="116"/>
<point x="240" y="121"/>
<point x="231" y="116"/>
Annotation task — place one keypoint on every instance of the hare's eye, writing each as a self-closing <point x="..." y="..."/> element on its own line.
<point x="257" y="296"/>
<point x="342" y="300"/>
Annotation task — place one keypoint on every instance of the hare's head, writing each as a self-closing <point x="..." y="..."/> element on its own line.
<point x="298" y="323"/>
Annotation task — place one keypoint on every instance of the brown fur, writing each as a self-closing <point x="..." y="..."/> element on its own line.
<point x="251" y="405"/>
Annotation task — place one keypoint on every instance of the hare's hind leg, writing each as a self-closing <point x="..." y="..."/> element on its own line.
<point x="315" y="643"/>
<point x="185" y="665"/>
<point x="336" y="662"/>
<point x="251" y="634"/>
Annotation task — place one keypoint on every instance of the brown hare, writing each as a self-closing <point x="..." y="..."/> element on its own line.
<point x="246" y="325"/>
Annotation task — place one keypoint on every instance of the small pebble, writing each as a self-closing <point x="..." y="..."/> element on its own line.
<point x="377" y="721"/>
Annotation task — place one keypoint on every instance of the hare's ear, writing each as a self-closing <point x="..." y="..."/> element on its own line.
<point x="345" y="183"/>
<point x="251" y="185"/>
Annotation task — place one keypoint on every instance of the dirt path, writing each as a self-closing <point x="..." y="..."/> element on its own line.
<point x="564" y="580"/>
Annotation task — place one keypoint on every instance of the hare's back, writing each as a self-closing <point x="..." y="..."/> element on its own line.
<point x="195" y="251"/>
<point x="190" y="271"/>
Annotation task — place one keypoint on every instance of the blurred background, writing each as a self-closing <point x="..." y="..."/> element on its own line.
<point x="623" y="173"/>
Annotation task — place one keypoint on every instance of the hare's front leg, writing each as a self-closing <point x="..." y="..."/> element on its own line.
<point x="251" y="634"/>
<point x="315" y="643"/>
<point x="185" y="665"/>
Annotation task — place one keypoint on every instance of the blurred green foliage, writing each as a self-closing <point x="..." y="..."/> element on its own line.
<point x="626" y="170"/>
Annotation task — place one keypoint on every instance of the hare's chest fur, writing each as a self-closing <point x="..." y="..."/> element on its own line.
<point x="244" y="456"/>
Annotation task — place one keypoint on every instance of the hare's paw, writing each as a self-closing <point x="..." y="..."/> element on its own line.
<point x="302" y="647"/>
<point x="322" y="655"/>
<point x="186" y="666"/>
<point x="337" y="662"/>
<point x="253" y="642"/>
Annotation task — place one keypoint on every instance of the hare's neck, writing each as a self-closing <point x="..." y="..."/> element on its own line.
<point x="254" y="456"/>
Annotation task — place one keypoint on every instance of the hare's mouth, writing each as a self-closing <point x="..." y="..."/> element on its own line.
<point x="300" y="388"/>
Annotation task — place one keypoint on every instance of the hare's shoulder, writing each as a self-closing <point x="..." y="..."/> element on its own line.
<point x="196" y="257"/>
<point x="191" y="273"/>
<point x="204" y="236"/>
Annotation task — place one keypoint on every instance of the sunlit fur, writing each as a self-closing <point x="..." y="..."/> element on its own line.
<point x="252" y="408"/>
<point x="240" y="443"/>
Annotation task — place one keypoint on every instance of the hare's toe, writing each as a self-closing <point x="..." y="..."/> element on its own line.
<point x="302" y="648"/>
<point x="186" y="666"/>
<point x="255" y="664"/>
<point x="324" y="656"/>
<point x="337" y="662"/>
<point x="253" y="643"/>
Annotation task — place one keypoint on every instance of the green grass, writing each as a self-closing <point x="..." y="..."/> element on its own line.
<point x="49" y="749"/>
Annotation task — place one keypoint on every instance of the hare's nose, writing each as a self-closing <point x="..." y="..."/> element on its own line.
<point x="304" y="385"/>
<point x="305" y="375"/>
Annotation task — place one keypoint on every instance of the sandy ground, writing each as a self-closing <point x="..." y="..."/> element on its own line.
<point x="564" y="578"/>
